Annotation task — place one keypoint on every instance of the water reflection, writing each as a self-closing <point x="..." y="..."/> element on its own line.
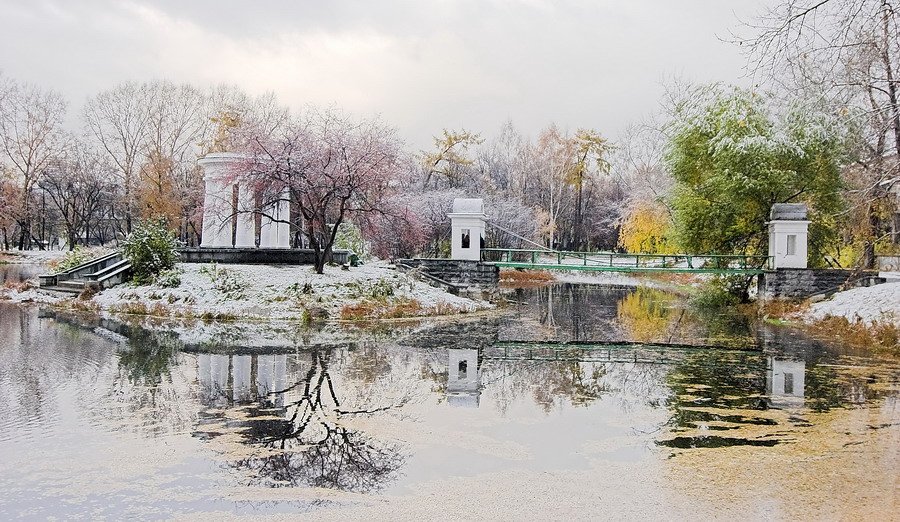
<point x="536" y="388"/>
<point x="293" y="414"/>
<point x="595" y="313"/>
<point x="463" y="378"/>
<point x="785" y="380"/>
<point x="16" y="273"/>
<point x="226" y="380"/>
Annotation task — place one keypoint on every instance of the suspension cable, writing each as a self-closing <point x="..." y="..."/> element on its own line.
<point x="542" y="247"/>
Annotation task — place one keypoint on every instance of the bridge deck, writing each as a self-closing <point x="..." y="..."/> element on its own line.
<point x="615" y="262"/>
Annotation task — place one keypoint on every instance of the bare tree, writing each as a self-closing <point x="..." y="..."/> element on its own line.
<point x="31" y="139"/>
<point x="849" y="52"/>
<point x="119" y="120"/>
<point x="80" y="188"/>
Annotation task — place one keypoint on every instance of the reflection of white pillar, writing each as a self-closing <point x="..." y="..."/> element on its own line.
<point x="212" y="374"/>
<point x="280" y="378"/>
<point x="245" y="235"/>
<point x="463" y="378"/>
<point x="203" y="374"/>
<point x="265" y="374"/>
<point x="785" y="381"/>
<point x="241" y="378"/>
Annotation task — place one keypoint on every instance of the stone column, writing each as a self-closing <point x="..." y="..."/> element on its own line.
<point x="788" y="235"/>
<point x="245" y="235"/>
<point x="217" y="200"/>
<point x="273" y="233"/>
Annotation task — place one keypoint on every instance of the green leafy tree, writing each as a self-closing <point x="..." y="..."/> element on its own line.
<point x="733" y="154"/>
<point x="151" y="248"/>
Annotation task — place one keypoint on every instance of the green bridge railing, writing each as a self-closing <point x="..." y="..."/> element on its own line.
<point x="615" y="262"/>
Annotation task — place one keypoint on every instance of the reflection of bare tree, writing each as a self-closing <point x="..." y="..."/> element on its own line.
<point x="309" y="445"/>
<point x="342" y="459"/>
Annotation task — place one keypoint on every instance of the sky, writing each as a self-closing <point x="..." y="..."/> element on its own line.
<point x="420" y="65"/>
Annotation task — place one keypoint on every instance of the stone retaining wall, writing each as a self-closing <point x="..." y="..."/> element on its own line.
<point x="457" y="272"/>
<point x="803" y="283"/>
<point x="261" y="256"/>
<point x="889" y="263"/>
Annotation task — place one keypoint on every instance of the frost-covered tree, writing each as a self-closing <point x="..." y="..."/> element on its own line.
<point x="733" y="156"/>
<point x="330" y="166"/>
<point x="848" y="52"/>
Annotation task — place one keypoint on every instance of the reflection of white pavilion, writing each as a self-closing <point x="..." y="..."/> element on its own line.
<point x="229" y="379"/>
<point x="463" y="378"/>
<point x="785" y="382"/>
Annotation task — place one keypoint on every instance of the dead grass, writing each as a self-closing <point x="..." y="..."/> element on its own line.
<point x="370" y="309"/>
<point x="781" y="308"/>
<point x="18" y="286"/>
<point x="881" y="338"/>
<point x="518" y="278"/>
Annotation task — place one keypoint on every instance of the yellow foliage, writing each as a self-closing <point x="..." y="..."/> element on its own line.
<point x="157" y="192"/>
<point x="644" y="315"/>
<point x="646" y="230"/>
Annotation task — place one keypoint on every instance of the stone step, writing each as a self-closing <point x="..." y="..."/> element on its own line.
<point x="63" y="289"/>
<point x="75" y="285"/>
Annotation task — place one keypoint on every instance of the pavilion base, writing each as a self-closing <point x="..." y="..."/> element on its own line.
<point x="257" y="256"/>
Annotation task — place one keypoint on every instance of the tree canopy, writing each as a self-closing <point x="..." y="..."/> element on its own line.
<point x="733" y="156"/>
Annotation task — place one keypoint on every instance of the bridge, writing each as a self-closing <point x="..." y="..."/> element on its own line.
<point x="616" y="262"/>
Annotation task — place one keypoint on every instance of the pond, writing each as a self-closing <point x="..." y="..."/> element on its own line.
<point x="572" y="401"/>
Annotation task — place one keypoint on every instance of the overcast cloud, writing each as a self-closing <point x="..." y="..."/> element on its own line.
<point x="422" y="65"/>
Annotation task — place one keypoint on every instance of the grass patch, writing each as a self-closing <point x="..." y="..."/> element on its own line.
<point x="369" y="309"/>
<point x="882" y="338"/>
<point x="18" y="286"/>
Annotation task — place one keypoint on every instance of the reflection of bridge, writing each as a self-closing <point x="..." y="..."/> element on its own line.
<point x="785" y="378"/>
<point x="593" y="352"/>
<point x="614" y="262"/>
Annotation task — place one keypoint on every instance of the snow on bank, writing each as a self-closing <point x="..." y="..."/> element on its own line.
<point x="29" y="295"/>
<point x="281" y="292"/>
<point x="31" y="256"/>
<point x="596" y="278"/>
<point x="879" y="303"/>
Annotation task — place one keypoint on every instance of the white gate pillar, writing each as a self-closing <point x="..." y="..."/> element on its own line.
<point x="467" y="229"/>
<point x="788" y="235"/>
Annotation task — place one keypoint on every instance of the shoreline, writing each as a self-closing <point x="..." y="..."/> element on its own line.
<point x="377" y="292"/>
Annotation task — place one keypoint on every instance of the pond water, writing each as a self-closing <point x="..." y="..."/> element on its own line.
<point x="574" y="400"/>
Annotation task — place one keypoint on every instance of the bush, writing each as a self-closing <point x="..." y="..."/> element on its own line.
<point x="349" y="237"/>
<point x="151" y="248"/>
<point x="721" y="291"/>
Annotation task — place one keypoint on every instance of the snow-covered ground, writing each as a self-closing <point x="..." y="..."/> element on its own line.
<point x="30" y="256"/>
<point x="281" y="292"/>
<point x="596" y="278"/>
<point x="879" y="303"/>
